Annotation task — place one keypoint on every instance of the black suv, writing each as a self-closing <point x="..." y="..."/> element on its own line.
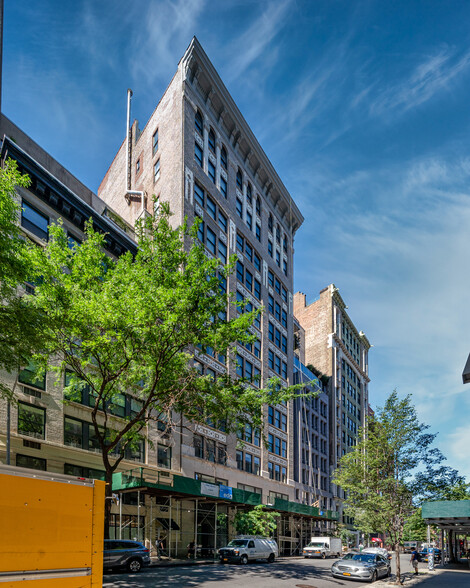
<point x="131" y="555"/>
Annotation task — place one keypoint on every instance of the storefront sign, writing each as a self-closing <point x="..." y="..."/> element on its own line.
<point x="225" y="492"/>
<point x="209" y="489"/>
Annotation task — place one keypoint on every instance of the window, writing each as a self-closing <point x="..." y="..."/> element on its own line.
<point x="239" y="180"/>
<point x="198" y="153"/>
<point x="164" y="456"/>
<point x="198" y="123"/>
<point x="284" y="267"/>
<point x="249" y="193"/>
<point x="210" y="240"/>
<point x="277" y="286"/>
<point x="239" y="207"/>
<point x="284" y="244"/>
<point x="34" y="221"/>
<point x="137" y="166"/>
<point x="257" y="262"/>
<point x="240" y="271"/>
<point x="199" y="195"/>
<point x="34" y="463"/>
<point x="257" y="348"/>
<point x="156" y="170"/>
<point x="270" y="222"/>
<point x="270" y="304"/>
<point x="271" y="279"/>
<point x="222" y="222"/>
<point x="258" y="206"/>
<point x="278" y="257"/>
<point x="223" y="158"/>
<point x="277" y="311"/>
<point x="211" y="170"/>
<point x="223" y="186"/>
<point x="249" y="251"/>
<point x="31" y="420"/>
<point x="211" y="208"/>
<point x="257" y="289"/>
<point x="155" y="142"/>
<point x="258" y="232"/>
<point x="278" y="235"/>
<point x="30" y="377"/>
<point x="249" y="280"/>
<point x="284" y="319"/>
<point x="249" y="220"/>
<point x="212" y="140"/>
<point x="240" y="242"/>
<point x="284" y="295"/>
<point x="271" y="332"/>
<point x="270" y="247"/>
<point x="222" y="252"/>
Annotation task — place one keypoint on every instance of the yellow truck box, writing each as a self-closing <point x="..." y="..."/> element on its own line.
<point x="52" y="529"/>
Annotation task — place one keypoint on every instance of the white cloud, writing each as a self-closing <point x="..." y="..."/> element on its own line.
<point x="247" y="48"/>
<point x="428" y="78"/>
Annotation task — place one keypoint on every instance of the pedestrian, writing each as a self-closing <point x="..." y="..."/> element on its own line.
<point x="415" y="560"/>
<point x="191" y="549"/>
<point x="159" y="546"/>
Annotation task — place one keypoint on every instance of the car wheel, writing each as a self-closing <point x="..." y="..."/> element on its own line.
<point x="244" y="560"/>
<point x="389" y="572"/>
<point x="374" y="576"/>
<point x="271" y="558"/>
<point x="323" y="555"/>
<point x="134" y="565"/>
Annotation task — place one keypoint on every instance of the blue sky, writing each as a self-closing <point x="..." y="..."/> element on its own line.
<point x="363" y="108"/>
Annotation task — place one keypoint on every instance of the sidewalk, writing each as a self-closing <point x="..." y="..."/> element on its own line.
<point x="450" y="576"/>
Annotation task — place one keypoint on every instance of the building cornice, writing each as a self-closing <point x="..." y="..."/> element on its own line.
<point x="195" y="63"/>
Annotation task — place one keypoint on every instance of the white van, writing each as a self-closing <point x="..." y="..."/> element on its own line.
<point x="245" y="548"/>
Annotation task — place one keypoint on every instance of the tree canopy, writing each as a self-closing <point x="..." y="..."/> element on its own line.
<point x="392" y="466"/>
<point x="19" y="324"/>
<point x="257" y="521"/>
<point x="131" y="326"/>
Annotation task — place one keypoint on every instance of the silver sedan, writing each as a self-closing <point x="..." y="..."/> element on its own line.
<point x="361" y="566"/>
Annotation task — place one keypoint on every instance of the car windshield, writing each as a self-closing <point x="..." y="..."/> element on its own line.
<point x="366" y="557"/>
<point x="238" y="543"/>
<point x="312" y="544"/>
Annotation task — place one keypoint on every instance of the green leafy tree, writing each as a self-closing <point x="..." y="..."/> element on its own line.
<point x="380" y="474"/>
<point x="257" y="521"/>
<point x="415" y="529"/>
<point x="131" y="325"/>
<point x="19" y="324"/>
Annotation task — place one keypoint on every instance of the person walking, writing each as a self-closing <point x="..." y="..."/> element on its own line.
<point x="159" y="546"/>
<point x="415" y="560"/>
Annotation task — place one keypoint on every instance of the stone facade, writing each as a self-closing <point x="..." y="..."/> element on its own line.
<point x="334" y="347"/>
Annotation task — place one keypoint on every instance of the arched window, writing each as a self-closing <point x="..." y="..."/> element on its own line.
<point x="223" y="158"/>
<point x="249" y="193"/>
<point x="258" y="206"/>
<point x="212" y="141"/>
<point x="198" y="122"/>
<point x="240" y="180"/>
<point x="270" y="222"/>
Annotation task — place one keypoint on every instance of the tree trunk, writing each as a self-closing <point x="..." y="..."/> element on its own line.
<point x="397" y="561"/>
<point x="108" y="502"/>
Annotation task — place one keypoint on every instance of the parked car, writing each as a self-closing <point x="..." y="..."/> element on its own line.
<point x="248" y="548"/>
<point x="131" y="555"/>
<point x="380" y="550"/>
<point x="424" y="553"/>
<point x="361" y="566"/>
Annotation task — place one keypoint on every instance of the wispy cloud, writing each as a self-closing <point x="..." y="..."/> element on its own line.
<point x="428" y="78"/>
<point x="167" y="28"/>
<point x="249" y="46"/>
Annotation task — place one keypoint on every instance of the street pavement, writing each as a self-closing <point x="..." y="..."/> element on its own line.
<point x="284" y="573"/>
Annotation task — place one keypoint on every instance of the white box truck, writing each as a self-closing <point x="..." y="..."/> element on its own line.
<point x="323" y="547"/>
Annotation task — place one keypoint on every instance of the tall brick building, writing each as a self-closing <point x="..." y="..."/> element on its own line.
<point x="197" y="153"/>
<point x="336" y="348"/>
